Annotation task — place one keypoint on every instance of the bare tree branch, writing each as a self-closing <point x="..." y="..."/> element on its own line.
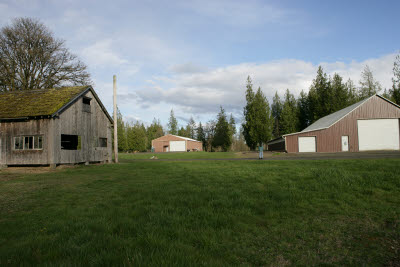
<point x="32" y="58"/>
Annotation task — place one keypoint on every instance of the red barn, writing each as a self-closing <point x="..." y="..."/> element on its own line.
<point x="371" y="124"/>
<point x="174" y="143"/>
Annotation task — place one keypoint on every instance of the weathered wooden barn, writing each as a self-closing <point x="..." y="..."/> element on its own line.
<point x="54" y="126"/>
<point x="174" y="143"/>
<point x="371" y="124"/>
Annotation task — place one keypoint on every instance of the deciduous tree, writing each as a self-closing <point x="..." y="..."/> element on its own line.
<point x="201" y="135"/>
<point x="32" y="58"/>
<point x="395" y="91"/>
<point x="368" y="85"/>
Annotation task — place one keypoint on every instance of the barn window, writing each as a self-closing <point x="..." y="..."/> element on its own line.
<point x="70" y="142"/>
<point x="38" y="142"/>
<point x="102" y="142"/>
<point x="28" y="142"/>
<point x="18" y="143"/>
<point x="86" y="104"/>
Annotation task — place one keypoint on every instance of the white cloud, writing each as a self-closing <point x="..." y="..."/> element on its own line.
<point x="102" y="54"/>
<point x="188" y="67"/>
<point x="204" y="92"/>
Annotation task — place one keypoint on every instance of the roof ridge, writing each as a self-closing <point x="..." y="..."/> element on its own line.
<point x="44" y="89"/>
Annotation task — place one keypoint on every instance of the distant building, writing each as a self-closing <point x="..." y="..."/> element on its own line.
<point x="371" y="124"/>
<point x="54" y="126"/>
<point x="174" y="143"/>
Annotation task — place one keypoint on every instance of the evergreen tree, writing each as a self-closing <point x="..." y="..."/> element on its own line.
<point x="121" y="128"/>
<point x="182" y="132"/>
<point x="232" y="129"/>
<point x="257" y="126"/>
<point x="395" y="91"/>
<point x="249" y="116"/>
<point x="353" y="94"/>
<point x="172" y="124"/>
<point x="368" y="85"/>
<point x="340" y="93"/>
<point x="222" y="137"/>
<point x="312" y="102"/>
<point x="137" y="139"/>
<point x="276" y="109"/>
<point x="130" y="138"/>
<point x="303" y="111"/>
<point x="201" y="135"/>
<point x="232" y="126"/>
<point x="289" y="116"/>
<point x="155" y="130"/>
<point x="322" y="96"/>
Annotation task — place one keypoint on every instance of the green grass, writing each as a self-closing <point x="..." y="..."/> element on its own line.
<point x="338" y="212"/>
<point x="189" y="155"/>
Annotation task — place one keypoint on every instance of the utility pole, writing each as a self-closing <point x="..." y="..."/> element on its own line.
<point x="115" y="121"/>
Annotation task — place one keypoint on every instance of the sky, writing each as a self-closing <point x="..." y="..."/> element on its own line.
<point x="195" y="56"/>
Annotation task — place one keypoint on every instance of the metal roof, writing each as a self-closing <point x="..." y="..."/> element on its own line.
<point x="186" y="138"/>
<point x="331" y="119"/>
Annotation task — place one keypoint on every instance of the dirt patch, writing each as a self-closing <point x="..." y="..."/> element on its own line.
<point x="15" y="172"/>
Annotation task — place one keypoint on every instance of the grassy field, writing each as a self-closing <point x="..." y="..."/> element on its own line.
<point x="338" y="212"/>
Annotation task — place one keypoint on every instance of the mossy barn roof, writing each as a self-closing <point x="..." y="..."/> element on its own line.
<point x="37" y="103"/>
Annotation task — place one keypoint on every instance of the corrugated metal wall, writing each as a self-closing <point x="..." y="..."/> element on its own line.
<point x="162" y="141"/>
<point x="329" y="140"/>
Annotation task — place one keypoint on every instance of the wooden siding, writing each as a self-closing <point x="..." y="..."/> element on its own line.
<point x="9" y="130"/>
<point x="329" y="140"/>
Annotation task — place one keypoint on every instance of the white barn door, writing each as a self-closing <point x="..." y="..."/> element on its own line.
<point x="379" y="134"/>
<point x="177" y="146"/>
<point x="345" y="143"/>
<point x="307" y="144"/>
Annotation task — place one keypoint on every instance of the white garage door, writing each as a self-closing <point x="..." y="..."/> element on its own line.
<point x="307" y="144"/>
<point x="176" y="146"/>
<point x="381" y="134"/>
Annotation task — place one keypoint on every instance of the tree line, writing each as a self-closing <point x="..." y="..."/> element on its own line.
<point x="216" y="135"/>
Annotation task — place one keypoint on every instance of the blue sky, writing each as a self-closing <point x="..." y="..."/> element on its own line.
<point x="194" y="56"/>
